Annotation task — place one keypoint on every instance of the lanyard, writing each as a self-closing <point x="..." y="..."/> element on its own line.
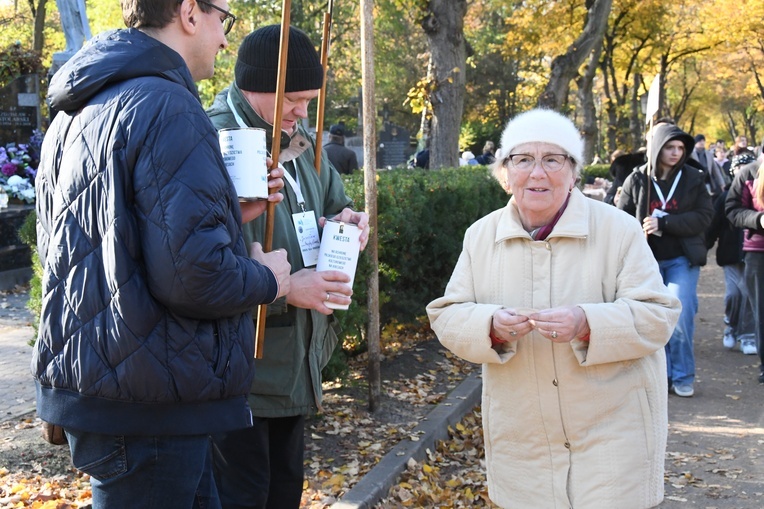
<point x="291" y="180"/>
<point x="236" y="115"/>
<point x="671" y="191"/>
<point x="295" y="187"/>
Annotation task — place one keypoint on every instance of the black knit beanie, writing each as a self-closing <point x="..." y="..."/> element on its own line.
<point x="257" y="66"/>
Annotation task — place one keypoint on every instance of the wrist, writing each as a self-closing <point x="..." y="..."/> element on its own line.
<point x="495" y="340"/>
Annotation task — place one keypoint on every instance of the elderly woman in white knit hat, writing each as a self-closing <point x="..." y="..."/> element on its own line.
<point x="560" y="300"/>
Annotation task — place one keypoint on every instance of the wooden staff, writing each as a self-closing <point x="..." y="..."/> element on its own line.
<point x="653" y="107"/>
<point x="325" y="39"/>
<point x="648" y="169"/>
<point x="275" y="151"/>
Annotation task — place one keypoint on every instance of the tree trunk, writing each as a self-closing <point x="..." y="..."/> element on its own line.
<point x="370" y="197"/>
<point x="609" y="105"/>
<point x="636" y="126"/>
<point x="585" y="85"/>
<point x="39" y="24"/>
<point x="565" y="67"/>
<point x="444" y="25"/>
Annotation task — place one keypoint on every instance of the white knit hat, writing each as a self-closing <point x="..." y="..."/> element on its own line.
<point x="541" y="125"/>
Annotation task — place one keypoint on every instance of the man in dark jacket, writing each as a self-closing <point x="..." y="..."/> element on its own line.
<point x="262" y="466"/>
<point x="341" y="157"/>
<point x="620" y="168"/>
<point x="145" y="344"/>
<point x="674" y="209"/>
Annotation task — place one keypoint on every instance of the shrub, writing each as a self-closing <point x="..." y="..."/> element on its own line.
<point x="28" y="235"/>
<point x="422" y="216"/>
<point x="596" y="171"/>
<point x="17" y="61"/>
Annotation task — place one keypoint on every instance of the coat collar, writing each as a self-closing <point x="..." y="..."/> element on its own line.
<point x="573" y="223"/>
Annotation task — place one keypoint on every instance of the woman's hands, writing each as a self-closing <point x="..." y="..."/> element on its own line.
<point x="509" y="325"/>
<point x="650" y="225"/>
<point x="560" y="325"/>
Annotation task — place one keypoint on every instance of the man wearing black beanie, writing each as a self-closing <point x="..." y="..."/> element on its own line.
<point x="262" y="466"/>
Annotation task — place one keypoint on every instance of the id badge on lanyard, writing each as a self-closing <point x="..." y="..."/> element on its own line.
<point x="305" y="225"/>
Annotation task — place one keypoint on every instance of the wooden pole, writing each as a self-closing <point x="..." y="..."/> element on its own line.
<point x="325" y="40"/>
<point x="275" y="151"/>
<point x="653" y="107"/>
<point x="370" y="196"/>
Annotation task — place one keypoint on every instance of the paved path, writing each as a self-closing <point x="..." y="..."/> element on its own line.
<point x="17" y="394"/>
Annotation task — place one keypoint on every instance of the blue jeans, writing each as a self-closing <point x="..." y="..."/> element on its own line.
<point x="682" y="281"/>
<point x="153" y="472"/>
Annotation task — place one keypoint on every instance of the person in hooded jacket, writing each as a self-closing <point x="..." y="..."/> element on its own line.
<point x="145" y="340"/>
<point x="674" y="209"/>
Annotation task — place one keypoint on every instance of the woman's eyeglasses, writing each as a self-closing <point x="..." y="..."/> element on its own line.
<point x="526" y="162"/>
<point x="228" y="18"/>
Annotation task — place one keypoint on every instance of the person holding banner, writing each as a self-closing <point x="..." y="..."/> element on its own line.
<point x="674" y="220"/>
<point x="262" y="466"/>
<point x="145" y="339"/>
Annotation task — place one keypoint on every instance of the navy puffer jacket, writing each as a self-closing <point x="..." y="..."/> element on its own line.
<point x="145" y="326"/>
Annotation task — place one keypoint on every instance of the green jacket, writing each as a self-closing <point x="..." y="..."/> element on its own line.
<point x="298" y="342"/>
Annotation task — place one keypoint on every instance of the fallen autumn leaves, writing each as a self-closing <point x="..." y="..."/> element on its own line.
<point x="344" y="443"/>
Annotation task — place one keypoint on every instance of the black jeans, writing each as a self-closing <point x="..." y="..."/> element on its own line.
<point x="754" y="278"/>
<point x="261" y="467"/>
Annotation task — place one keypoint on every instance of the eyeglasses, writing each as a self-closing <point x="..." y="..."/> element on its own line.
<point x="228" y="19"/>
<point x="549" y="162"/>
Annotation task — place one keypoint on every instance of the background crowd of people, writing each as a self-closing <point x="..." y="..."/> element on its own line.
<point x="699" y="197"/>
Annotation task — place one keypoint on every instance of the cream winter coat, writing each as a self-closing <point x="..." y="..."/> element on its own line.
<point x="567" y="425"/>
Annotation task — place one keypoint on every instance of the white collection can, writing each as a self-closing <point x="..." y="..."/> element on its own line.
<point x="244" y="152"/>
<point x="340" y="248"/>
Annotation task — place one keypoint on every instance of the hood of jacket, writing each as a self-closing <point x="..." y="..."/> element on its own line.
<point x="113" y="57"/>
<point x="664" y="133"/>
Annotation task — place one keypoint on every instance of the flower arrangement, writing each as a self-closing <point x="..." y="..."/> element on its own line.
<point x="18" y="168"/>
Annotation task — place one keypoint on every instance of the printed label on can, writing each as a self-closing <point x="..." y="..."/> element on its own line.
<point x="244" y="152"/>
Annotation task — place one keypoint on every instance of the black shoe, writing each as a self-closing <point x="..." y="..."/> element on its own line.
<point x="761" y="375"/>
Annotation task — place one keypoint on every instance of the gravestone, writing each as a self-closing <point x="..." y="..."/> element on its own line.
<point x="19" y="109"/>
<point x="355" y="143"/>
<point x="394" y="147"/>
<point x="15" y="256"/>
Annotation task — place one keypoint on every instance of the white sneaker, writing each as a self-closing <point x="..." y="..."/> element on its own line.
<point x="685" y="391"/>
<point x="729" y="340"/>
<point x="748" y="347"/>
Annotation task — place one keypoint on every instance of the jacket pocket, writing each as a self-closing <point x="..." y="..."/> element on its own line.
<point x="695" y="250"/>
<point x="283" y="355"/>
<point x="328" y="343"/>
<point x="100" y="456"/>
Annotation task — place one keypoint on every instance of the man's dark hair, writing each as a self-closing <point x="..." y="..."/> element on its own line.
<point x="152" y="13"/>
